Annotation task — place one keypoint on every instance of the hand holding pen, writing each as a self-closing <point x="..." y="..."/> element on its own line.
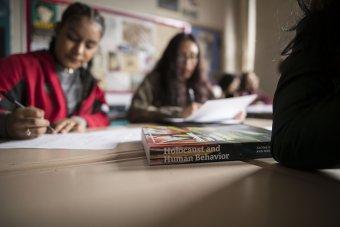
<point x="25" y="122"/>
<point x="193" y="106"/>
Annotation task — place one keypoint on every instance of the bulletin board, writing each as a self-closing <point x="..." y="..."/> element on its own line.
<point x="4" y="28"/>
<point x="210" y="42"/>
<point x="129" y="49"/>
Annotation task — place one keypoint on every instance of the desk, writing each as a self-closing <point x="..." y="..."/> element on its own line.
<point x="128" y="192"/>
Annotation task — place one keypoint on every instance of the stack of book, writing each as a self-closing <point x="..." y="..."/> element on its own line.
<point x="176" y="145"/>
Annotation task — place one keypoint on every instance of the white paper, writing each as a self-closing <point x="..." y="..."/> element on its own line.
<point x="218" y="110"/>
<point x="268" y="128"/>
<point x="96" y="140"/>
<point x="260" y="108"/>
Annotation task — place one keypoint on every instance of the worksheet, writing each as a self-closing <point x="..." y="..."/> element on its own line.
<point x="218" y="110"/>
<point x="93" y="140"/>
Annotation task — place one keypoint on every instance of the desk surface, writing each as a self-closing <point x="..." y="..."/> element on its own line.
<point x="128" y="192"/>
<point x="25" y="159"/>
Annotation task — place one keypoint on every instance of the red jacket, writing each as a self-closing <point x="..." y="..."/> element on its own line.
<point x="31" y="79"/>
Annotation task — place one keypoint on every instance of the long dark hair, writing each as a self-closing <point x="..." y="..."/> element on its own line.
<point x="167" y="68"/>
<point x="75" y="12"/>
<point x="317" y="39"/>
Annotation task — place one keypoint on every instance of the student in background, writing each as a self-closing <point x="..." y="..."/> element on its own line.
<point x="55" y="85"/>
<point x="306" y="125"/>
<point x="229" y="84"/>
<point x="245" y="84"/>
<point x="176" y="87"/>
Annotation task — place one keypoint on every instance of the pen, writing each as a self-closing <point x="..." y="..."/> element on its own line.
<point x="12" y="100"/>
<point x="191" y="95"/>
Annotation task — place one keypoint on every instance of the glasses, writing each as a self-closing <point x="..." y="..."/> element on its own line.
<point x="187" y="57"/>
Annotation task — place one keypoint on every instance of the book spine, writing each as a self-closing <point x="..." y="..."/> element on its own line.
<point x="209" y="153"/>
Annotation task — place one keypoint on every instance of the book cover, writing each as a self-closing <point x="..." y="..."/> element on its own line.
<point x="175" y="145"/>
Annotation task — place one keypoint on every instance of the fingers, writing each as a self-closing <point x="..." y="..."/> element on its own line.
<point x="35" y="122"/>
<point x="69" y="126"/>
<point x="29" y="112"/>
<point x="30" y="133"/>
<point x="193" y="107"/>
<point x="65" y="126"/>
<point x="26" y="123"/>
<point x="241" y="116"/>
<point x="79" y="128"/>
<point x="23" y="130"/>
<point x="196" y="105"/>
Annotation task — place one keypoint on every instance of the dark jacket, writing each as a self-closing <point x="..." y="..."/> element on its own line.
<point x="306" y="108"/>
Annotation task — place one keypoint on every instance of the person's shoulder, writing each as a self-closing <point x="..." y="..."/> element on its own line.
<point x="300" y="63"/>
<point x="153" y="75"/>
<point x="28" y="57"/>
<point x="152" y="78"/>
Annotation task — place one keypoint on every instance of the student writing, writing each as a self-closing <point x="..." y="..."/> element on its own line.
<point x="55" y="84"/>
<point x="177" y="85"/>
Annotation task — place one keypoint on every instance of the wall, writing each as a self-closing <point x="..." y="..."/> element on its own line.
<point x="232" y="37"/>
<point x="18" y="26"/>
<point x="210" y="13"/>
<point x="272" y="17"/>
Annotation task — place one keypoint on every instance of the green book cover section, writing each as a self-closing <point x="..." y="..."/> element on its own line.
<point x="176" y="145"/>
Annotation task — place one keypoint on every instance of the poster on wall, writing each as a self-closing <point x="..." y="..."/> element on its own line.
<point x="190" y="8"/>
<point x="44" y="19"/>
<point x="129" y="46"/>
<point x="169" y="4"/>
<point x="210" y="44"/>
<point x="4" y="28"/>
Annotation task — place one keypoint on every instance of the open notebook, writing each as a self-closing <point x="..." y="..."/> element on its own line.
<point x="218" y="110"/>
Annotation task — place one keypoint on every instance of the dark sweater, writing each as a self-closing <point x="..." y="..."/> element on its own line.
<point x="306" y="123"/>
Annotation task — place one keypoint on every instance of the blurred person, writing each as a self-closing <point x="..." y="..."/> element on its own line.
<point x="306" y="103"/>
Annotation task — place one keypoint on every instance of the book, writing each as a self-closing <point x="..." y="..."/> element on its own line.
<point x="218" y="111"/>
<point x="165" y="145"/>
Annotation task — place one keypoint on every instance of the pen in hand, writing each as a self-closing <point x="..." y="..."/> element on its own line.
<point x="15" y="102"/>
<point x="191" y="95"/>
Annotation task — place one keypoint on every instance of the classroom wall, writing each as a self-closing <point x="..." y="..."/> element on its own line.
<point x="272" y="17"/>
<point x="210" y="13"/>
<point x="232" y="43"/>
<point x="224" y="15"/>
<point x="18" y="26"/>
